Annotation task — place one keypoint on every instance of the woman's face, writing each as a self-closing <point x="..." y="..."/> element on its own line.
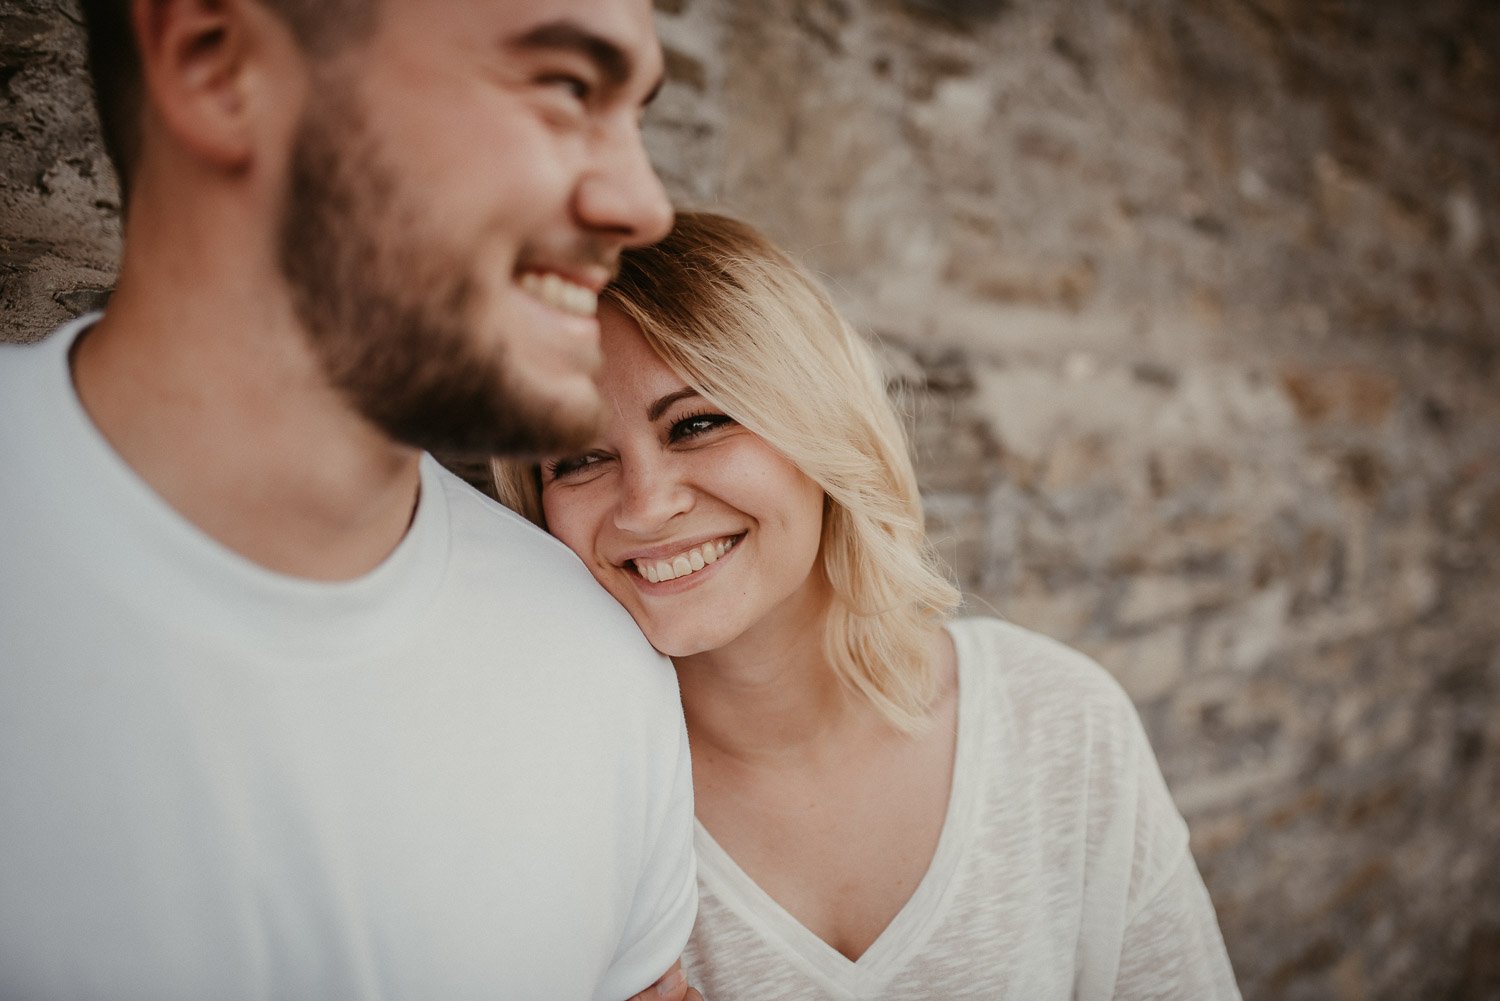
<point x="700" y="529"/>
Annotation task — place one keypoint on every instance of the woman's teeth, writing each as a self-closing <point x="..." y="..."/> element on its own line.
<point x="682" y="564"/>
<point x="560" y="293"/>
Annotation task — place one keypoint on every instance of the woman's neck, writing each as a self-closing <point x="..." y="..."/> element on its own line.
<point x="769" y="697"/>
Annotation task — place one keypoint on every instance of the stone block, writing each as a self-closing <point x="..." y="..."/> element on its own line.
<point x="1243" y="636"/>
<point x="1353" y="394"/>
<point x="1152" y="597"/>
<point x="1150" y="665"/>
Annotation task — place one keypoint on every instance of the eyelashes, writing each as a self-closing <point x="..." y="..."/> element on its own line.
<point x="698" y="423"/>
<point x="555" y="469"/>
<point x="683" y="430"/>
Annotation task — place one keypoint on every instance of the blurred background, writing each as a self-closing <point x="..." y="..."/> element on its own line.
<point x="1195" y="305"/>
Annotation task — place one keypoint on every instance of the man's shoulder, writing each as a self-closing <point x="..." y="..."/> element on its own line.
<point x="22" y="365"/>
<point x="482" y="528"/>
<point x="37" y="412"/>
<point x="527" y="583"/>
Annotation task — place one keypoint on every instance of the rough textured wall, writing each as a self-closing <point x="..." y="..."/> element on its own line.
<point x="59" y="209"/>
<point x="1197" y="303"/>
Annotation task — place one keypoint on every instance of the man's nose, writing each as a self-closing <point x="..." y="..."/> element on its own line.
<point x="623" y="195"/>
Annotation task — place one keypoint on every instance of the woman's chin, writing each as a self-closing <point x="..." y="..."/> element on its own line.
<point x="675" y="650"/>
<point x="677" y="644"/>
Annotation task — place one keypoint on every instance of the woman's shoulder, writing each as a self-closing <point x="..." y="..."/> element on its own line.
<point x="1039" y="683"/>
<point x="1023" y="658"/>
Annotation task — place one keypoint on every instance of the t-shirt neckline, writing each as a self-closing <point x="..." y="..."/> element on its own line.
<point x="143" y="542"/>
<point x="908" y="932"/>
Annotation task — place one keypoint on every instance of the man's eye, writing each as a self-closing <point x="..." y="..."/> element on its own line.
<point x="696" y="425"/>
<point x="575" y="86"/>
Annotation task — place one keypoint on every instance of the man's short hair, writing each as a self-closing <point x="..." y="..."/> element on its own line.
<point x="319" y="26"/>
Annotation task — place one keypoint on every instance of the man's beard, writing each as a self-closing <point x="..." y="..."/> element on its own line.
<point x="390" y="311"/>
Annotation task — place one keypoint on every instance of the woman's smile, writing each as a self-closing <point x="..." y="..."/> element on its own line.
<point x="685" y="562"/>
<point x="703" y="531"/>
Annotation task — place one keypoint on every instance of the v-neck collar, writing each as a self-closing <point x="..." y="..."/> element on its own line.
<point x="908" y="932"/>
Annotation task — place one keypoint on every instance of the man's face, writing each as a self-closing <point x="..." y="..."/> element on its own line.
<point x="460" y="187"/>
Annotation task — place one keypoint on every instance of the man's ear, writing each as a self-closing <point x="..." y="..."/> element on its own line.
<point x="201" y="61"/>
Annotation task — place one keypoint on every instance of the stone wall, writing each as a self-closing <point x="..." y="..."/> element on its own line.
<point x="59" y="209"/>
<point x="1196" y="305"/>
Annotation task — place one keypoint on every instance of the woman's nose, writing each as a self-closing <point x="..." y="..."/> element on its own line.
<point x="652" y="495"/>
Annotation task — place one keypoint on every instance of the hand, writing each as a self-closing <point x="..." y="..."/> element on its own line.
<point x="671" y="987"/>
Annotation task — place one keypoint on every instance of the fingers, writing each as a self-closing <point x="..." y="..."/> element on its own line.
<point x="671" y="987"/>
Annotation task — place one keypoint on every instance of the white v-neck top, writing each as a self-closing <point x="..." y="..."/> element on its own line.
<point x="1062" y="870"/>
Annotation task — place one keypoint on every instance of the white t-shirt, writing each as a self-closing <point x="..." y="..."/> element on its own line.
<point x="463" y="775"/>
<point x="1062" y="871"/>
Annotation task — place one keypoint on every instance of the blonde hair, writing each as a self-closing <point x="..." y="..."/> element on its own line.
<point x="752" y="331"/>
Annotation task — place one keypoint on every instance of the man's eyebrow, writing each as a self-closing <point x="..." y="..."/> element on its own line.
<point x="614" y="63"/>
<point x="660" y="406"/>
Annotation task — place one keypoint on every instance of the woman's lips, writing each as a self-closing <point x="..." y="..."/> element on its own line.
<point x="687" y="562"/>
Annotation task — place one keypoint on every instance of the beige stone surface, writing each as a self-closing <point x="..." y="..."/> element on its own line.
<point x="1197" y="305"/>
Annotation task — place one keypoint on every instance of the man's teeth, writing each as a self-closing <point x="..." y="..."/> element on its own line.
<point x="682" y="564"/>
<point x="557" y="291"/>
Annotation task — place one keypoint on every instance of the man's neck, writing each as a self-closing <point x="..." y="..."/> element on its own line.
<point x="217" y="402"/>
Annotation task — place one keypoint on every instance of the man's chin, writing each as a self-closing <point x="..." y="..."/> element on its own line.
<point x="554" y="415"/>
<point x="562" y="427"/>
<point x="536" y="431"/>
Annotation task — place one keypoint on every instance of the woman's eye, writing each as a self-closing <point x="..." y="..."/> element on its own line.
<point x="698" y="424"/>
<point x="559" y="469"/>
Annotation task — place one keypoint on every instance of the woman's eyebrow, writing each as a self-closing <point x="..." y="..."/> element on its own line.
<point x="613" y="62"/>
<point x="660" y="406"/>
